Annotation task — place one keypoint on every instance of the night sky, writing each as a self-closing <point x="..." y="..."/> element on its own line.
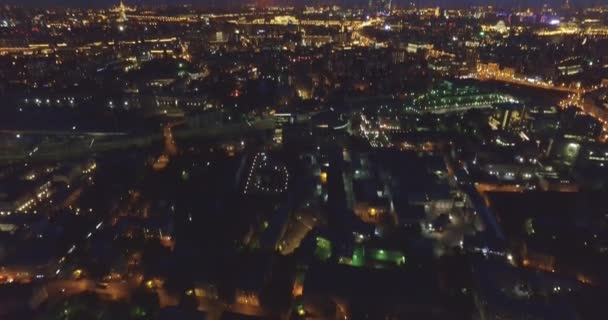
<point x="443" y="3"/>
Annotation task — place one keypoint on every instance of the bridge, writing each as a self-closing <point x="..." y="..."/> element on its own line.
<point x="483" y="75"/>
<point x="74" y="132"/>
<point x="123" y="141"/>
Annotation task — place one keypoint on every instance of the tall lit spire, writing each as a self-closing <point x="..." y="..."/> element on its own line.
<point x="122" y="9"/>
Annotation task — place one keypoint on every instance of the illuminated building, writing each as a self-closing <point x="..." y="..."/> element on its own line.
<point x="448" y="98"/>
<point x="570" y="66"/>
<point x="419" y="47"/>
<point x="544" y="121"/>
<point x="330" y="122"/>
<point x="499" y="27"/>
<point x="508" y="117"/>
<point x="565" y="151"/>
<point x="122" y="10"/>
<point x="594" y="155"/>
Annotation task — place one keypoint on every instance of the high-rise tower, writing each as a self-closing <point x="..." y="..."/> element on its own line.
<point x="121" y="11"/>
<point x="380" y="6"/>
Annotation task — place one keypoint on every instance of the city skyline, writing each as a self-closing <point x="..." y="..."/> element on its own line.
<point x="442" y="3"/>
<point x="318" y="162"/>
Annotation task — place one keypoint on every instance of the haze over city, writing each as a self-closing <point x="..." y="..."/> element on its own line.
<point x="443" y="3"/>
<point x="287" y="160"/>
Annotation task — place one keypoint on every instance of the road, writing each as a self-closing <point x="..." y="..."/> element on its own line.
<point x="113" y="291"/>
<point x="170" y="150"/>
<point x="483" y="188"/>
<point x="588" y="105"/>
<point x="460" y="226"/>
<point x="357" y="34"/>
<point x="170" y="146"/>
<point x="494" y="235"/>
<point x="123" y="290"/>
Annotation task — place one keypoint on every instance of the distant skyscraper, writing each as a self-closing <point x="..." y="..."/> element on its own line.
<point x="380" y="6"/>
<point x="123" y="12"/>
<point x="566" y="5"/>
